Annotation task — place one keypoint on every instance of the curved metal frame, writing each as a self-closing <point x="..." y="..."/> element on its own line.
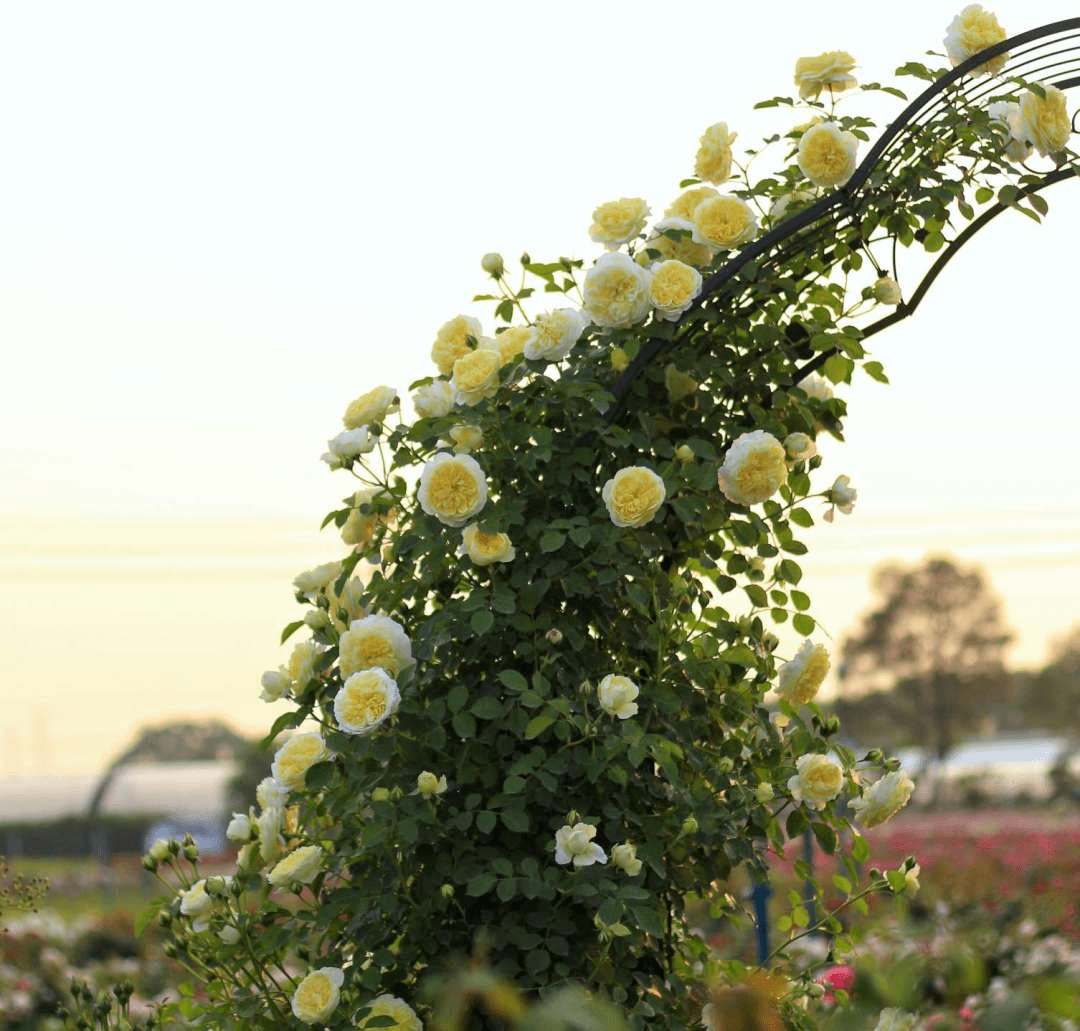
<point x="843" y="204"/>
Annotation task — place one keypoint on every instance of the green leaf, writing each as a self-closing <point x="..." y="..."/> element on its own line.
<point x="456" y="697"/>
<point x="482" y="621"/>
<point x="552" y="540"/>
<point x="580" y="535"/>
<point x="485" y="821"/>
<point x="875" y="371"/>
<point x="826" y="837"/>
<point x="481" y="884"/>
<point x="860" y="850"/>
<point x="804" y="624"/>
<point x="512" y="679"/>
<point x="800" y="517"/>
<point x="286" y="721"/>
<point x="796" y="822"/>
<point x="537" y="725"/>
<point x="487" y="708"/>
<point x="290" y="630"/>
<point x="516" y="820"/>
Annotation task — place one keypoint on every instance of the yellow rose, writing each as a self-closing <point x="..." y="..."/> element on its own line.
<point x="754" y="468"/>
<point x="827" y="156"/>
<point x="1043" y="121"/>
<point x="883" y="799"/>
<point x="511" y="342"/>
<point x="972" y="31"/>
<point x="317" y="995"/>
<point x="633" y="496"/>
<point x="619" y="221"/>
<point x="300" y="668"/>
<point x="616" y="292"/>
<point x="476" y="375"/>
<point x="366" y="700"/>
<point x="680" y="248"/>
<point x="713" y="160"/>
<point x="800" y="679"/>
<point x="452" y="488"/>
<point x="359" y="526"/>
<point x="817" y="781"/>
<point x="466" y="438"/>
<point x="452" y="341"/>
<point x="686" y="203"/>
<point x="673" y="289"/>
<point x="294" y="758"/>
<point x="724" y="222"/>
<point x="370" y="407"/>
<point x="485" y="548"/>
<point x="554" y="334"/>
<point x="831" y="71"/>
<point x="374" y="641"/>
<point x="301" y="866"/>
<point x="402" y="1014"/>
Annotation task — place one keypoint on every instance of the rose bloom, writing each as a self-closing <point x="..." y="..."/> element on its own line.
<point x="452" y="488"/>
<point x="275" y="684"/>
<point x="402" y="1014"/>
<point x="831" y="71"/>
<point x="754" y="468"/>
<point x="883" y="799"/>
<point x="673" y="289"/>
<point x="301" y="664"/>
<point x="240" y="828"/>
<point x="370" y="407"/>
<point x="686" y="203"/>
<point x="972" y="31"/>
<point x="195" y="901"/>
<point x="160" y="850"/>
<point x="713" y="160"/>
<point x="452" y="341"/>
<point x="466" y="438"/>
<point x="294" y="758"/>
<point x="374" y="641"/>
<point x="484" y="549"/>
<point x="681" y="248"/>
<point x="817" y="387"/>
<point x="618" y="221"/>
<point x="428" y="785"/>
<point x="366" y="700"/>
<point x="799" y="447"/>
<point x="893" y="1019"/>
<point x="800" y="678"/>
<point x="633" y="496"/>
<point x="317" y="995"/>
<point x="575" y="844"/>
<point x="887" y="290"/>
<point x="1043" y="121"/>
<point x="433" y="400"/>
<point x="271" y="794"/>
<point x="476" y="375"/>
<point x="818" y="780"/>
<point x="616" y="695"/>
<point x="351" y="443"/>
<point x="1007" y="112"/>
<point x="511" y="342"/>
<point x="359" y="527"/>
<point x="301" y="866"/>
<point x="616" y="292"/>
<point x="554" y="334"/>
<point x="348" y="605"/>
<point x="624" y="856"/>
<point x="827" y="155"/>
<point x="842" y="496"/>
<point x="312" y="581"/>
<point x="268" y="825"/>
<point x="724" y="223"/>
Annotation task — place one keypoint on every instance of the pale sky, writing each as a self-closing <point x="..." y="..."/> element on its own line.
<point x="220" y="222"/>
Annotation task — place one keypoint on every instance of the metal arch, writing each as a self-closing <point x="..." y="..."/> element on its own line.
<point x="1029" y="55"/>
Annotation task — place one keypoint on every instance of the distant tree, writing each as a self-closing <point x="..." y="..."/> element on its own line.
<point x="1054" y="693"/>
<point x="936" y="643"/>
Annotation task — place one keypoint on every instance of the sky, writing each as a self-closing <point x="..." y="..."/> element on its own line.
<point x="219" y="223"/>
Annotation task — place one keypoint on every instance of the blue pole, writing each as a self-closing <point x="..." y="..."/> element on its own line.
<point x="808" y="885"/>
<point x="760" y="896"/>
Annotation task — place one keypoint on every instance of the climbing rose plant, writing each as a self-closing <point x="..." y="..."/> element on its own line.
<point x="541" y="695"/>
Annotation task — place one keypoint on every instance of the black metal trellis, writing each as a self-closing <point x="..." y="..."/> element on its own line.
<point x="1050" y="54"/>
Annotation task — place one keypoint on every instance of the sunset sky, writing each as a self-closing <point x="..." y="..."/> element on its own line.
<point x="222" y="222"/>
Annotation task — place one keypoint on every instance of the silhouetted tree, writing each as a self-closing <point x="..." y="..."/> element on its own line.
<point x="936" y="643"/>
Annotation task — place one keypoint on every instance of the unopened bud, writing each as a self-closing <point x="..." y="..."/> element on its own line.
<point x="887" y="290"/>
<point x="492" y="264"/>
<point x="764" y="792"/>
<point x="191" y="853"/>
<point x="573" y="817"/>
<point x="619" y="359"/>
<point x="554" y="635"/>
<point x="447" y="890"/>
<point x="689" y="825"/>
<point x="380" y="795"/>
<point x="684" y="453"/>
<point x="316" y="619"/>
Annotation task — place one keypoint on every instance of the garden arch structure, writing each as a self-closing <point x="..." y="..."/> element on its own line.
<point x="1049" y="54"/>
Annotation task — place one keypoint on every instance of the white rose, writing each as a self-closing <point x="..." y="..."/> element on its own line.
<point x="301" y="866"/>
<point x="887" y="290"/>
<point x="317" y="995"/>
<point x="428" y="785"/>
<point x="575" y="845"/>
<point x="239" y="829"/>
<point x="616" y="292"/>
<point x="554" y="334"/>
<point x="616" y="695"/>
<point x="351" y="443"/>
<point x="433" y="400"/>
<point x="311" y="581"/>
<point x="1007" y="112"/>
<point x="883" y="799"/>
<point x="624" y="856"/>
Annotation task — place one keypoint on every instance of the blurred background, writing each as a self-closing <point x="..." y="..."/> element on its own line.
<point x="221" y="222"/>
